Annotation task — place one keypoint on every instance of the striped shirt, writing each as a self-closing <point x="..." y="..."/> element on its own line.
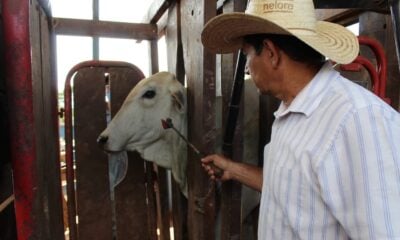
<point x="332" y="168"/>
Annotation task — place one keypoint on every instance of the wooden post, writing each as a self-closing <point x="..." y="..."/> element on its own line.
<point x="231" y="191"/>
<point x="161" y="173"/>
<point x="176" y="66"/>
<point x="200" y="73"/>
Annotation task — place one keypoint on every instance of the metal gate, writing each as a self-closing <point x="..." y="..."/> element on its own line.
<point x="92" y="212"/>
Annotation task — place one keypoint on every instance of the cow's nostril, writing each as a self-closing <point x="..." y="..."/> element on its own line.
<point x="102" y="140"/>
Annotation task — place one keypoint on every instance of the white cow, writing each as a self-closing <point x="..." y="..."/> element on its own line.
<point x="137" y="125"/>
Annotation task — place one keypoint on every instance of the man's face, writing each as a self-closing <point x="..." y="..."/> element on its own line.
<point x="259" y="67"/>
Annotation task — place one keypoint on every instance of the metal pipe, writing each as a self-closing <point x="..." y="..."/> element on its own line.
<point x="71" y="204"/>
<point x="371" y="70"/>
<point x="15" y="14"/>
<point x="381" y="61"/>
<point x="395" y="12"/>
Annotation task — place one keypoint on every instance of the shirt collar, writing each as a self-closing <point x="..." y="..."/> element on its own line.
<point x="311" y="95"/>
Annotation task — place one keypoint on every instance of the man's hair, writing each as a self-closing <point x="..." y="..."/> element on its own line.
<point x="292" y="46"/>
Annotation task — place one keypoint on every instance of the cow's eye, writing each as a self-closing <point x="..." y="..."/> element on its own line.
<point x="149" y="94"/>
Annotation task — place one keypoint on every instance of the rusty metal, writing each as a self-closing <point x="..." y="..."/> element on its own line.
<point x="71" y="204"/>
<point x="19" y="86"/>
<point x="15" y="15"/>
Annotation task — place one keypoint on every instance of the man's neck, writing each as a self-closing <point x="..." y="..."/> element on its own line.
<point x="295" y="78"/>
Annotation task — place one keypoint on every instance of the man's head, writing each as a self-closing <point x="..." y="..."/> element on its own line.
<point x="225" y="33"/>
<point x="293" y="47"/>
<point x="280" y="65"/>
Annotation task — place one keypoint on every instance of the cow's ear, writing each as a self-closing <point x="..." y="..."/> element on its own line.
<point x="178" y="101"/>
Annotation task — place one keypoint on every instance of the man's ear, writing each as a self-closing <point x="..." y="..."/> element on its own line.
<point x="272" y="52"/>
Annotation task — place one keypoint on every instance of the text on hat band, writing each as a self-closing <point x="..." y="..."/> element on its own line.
<point x="278" y="6"/>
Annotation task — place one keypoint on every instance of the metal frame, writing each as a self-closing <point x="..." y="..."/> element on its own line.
<point x="71" y="204"/>
<point x="20" y="98"/>
<point x="378" y="74"/>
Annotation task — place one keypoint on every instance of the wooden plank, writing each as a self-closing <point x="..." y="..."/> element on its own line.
<point x="157" y="10"/>
<point x="176" y="66"/>
<point x="231" y="191"/>
<point x="153" y="53"/>
<point x="130" y="194"/>
<point x="151" y="168"/>
<point x="200" y="73"/>
<point x="341" y="16"/>
<point x="172" y="37"/>
<point x="356" y="4"/>
<point x="139" y="31"/>
<point x="38" y="110"/>
<point x="163" y="218"/>
<point x="51" y="163"/>
<point x="93" y="192"/>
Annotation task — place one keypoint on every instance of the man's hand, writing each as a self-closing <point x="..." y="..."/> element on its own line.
<point x="249" y="175"/>
<point x="211" y="162"/>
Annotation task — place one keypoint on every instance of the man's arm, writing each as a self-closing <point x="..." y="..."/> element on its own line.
<point x="246" y="174"/>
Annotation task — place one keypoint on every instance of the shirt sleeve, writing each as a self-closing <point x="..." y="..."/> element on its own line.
<point x="360" y="175"/>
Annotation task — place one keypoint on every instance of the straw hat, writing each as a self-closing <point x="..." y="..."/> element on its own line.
<point x="224" y="33"/>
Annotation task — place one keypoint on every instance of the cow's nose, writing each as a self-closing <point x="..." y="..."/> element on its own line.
<point x="101" y="140"/>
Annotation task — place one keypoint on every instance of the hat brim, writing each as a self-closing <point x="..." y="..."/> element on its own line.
<point x="224" y="34"/>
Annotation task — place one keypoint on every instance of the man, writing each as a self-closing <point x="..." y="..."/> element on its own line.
<point x="332" y="167"/>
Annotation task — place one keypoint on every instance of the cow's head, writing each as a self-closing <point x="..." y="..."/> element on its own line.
<point x="137" y="125"/>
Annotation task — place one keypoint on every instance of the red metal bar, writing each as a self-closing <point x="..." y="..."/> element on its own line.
<point x="378" y="74"/>
<point x="20" y="98"/>
<point x="381" y="61"/>
<point x="71" y="204"/>
<point x="372" y="73"/>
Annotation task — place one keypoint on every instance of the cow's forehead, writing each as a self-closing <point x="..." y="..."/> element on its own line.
<point x="161" y="79"/>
